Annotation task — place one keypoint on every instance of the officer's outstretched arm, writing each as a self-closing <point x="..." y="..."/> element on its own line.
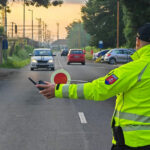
<point x="117" y="81"/>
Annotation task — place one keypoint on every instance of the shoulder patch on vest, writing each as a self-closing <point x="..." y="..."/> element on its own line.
<point x="111" y="79"/>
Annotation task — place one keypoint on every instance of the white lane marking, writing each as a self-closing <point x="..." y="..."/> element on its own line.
<point x="59" y="63"/>
<point x="82" y="117"/>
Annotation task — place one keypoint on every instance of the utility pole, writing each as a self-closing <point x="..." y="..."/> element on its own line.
<point x="118" y="23"/>
<point x="5" y="29"/>
<point x="79" y="38"/>
<point x="24" y="19"/>
<point x="32" y="22"/>
<point x="12" y="29"/>
<point x="45" y="32"/>
<point x="57" y="31"/>
<point x="39" y="29"/>
<point x="12" y="32"/>
<point x="50" y="36"/>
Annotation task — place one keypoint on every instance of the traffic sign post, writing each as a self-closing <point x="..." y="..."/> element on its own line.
<point x="101" y="45"/>
<point x="5" y="48"/>
<point x="1" y="56"/>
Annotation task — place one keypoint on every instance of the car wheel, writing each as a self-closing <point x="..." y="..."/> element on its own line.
<point x="31" y="69"/>
<point x="83" y="63"/>
<point x="68" y="63"/>
<point x="112" y="61"/>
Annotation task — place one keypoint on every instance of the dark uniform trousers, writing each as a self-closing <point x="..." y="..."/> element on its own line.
<point x="114" y="147"/>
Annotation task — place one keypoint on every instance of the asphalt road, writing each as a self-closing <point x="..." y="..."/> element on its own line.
<point x="30" y="122"/>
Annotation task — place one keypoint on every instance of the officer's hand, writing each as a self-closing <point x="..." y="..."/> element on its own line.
<point x="49" y="89"/>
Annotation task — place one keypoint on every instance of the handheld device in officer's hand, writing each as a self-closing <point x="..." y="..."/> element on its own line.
<point x="39" y="82"/>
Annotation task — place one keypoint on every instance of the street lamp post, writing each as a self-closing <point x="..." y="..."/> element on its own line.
<point x="57" y="31"/>
<point x="118" y="23"/>
<point x="32" y="21"/>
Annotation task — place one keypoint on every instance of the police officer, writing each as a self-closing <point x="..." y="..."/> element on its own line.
<point x="131" y="84"/>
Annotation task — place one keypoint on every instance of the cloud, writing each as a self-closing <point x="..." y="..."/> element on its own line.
<point x="75" y="1"/>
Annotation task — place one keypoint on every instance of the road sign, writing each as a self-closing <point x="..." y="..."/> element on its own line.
<point x="60" y="77"/>
<point x="5" y="44"/>
<point x="101" y="44"/>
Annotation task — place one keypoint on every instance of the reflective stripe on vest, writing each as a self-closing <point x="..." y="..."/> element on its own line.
<point x="133" y="117"/>
<point x="140" y="75"/>
<point x="65" y="91"/>
<point x="80" y="91"/>
<point x="136" y="127"/>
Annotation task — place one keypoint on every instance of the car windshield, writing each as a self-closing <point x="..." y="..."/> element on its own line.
<point x="65" y="51"/>
<point x="76" y="52"/>
<point x="42" y="53"/>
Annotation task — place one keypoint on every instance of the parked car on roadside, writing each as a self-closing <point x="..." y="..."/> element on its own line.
<point x="99" y="54"/>
<point x="76" y="56"/>
<point x="118" y="55"/>
<point x="42" y="58"/>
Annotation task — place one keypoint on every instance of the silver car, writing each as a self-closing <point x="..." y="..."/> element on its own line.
<point x="42" y="58"/>
<point x="118" y="55"/>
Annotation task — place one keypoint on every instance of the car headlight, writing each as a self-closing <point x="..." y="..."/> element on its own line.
<point x="34" y="61"/>
<point x="50" y="61"/>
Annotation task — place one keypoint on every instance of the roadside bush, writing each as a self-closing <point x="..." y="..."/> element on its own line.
<point x="22" y="54"/>
<point x="20" y="57"/>
<point x="89" y="48"/>
<point x="88" y="56"/>
<point x="28" y="49"/>
<point x="17" y="49"/>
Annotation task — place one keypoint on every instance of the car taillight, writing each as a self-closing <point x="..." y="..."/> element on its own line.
<point x="108" y="54"/>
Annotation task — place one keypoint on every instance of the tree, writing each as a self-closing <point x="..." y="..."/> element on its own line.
<point x="77" y="37"/>
<point x="1" y="30"/>
<point x="100" y="18"/>
<point x="136" y="13"/>
<point x="37" y="3"/>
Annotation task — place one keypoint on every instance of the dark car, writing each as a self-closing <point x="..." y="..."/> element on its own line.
<point x="99" y="54"/>
<point x="102" y="53"/>
<point x="64" y="52"/>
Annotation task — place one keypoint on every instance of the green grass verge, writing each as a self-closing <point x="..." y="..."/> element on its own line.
<point x="15" y="62"/>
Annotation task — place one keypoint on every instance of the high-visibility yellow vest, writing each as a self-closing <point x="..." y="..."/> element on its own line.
<point x="131" y="84"/>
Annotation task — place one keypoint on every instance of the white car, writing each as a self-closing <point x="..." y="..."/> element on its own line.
<point x="118" y="55"/>
<point x="42" y="58"/>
